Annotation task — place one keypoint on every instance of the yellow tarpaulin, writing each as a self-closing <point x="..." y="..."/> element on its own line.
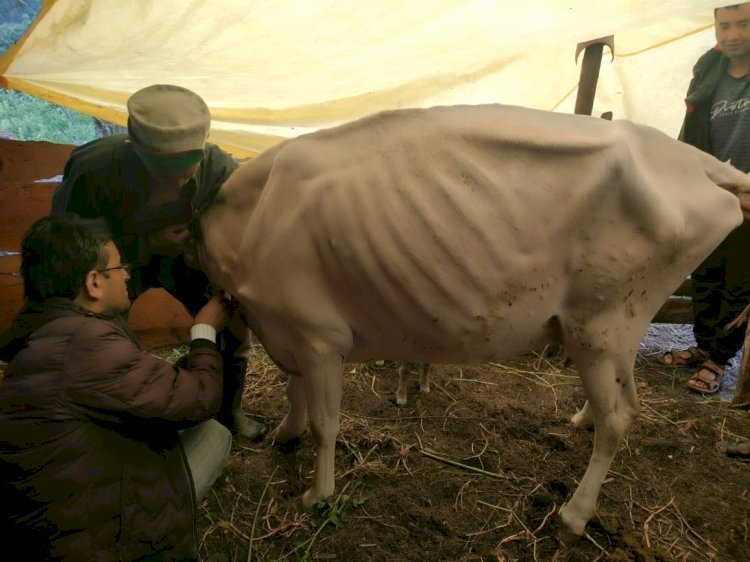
<point x="273" y="69"/>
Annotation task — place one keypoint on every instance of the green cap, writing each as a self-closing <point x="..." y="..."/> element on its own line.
<point x="166" y="120"/>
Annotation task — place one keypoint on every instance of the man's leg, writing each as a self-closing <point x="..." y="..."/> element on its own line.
<point x="708" y="283"/>
<point x="206" y="448"/>
<point x="730" y="296"/>
<point x="234" y="353"/>
<point x="193" y="289"/>
<point x="736" y="294"/>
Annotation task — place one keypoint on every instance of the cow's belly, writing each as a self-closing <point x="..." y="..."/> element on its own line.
<point x="454" y="338"/>
<point x="464" y="307"/>
<point x="452" y="322"/>
<point x="444" y="335"/>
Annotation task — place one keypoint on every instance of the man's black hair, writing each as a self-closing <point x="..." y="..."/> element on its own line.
<point x="730" y="7"/>
<point x="57" y="254"/>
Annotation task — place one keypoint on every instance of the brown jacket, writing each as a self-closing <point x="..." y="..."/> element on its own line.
<point x="91" y="467"/>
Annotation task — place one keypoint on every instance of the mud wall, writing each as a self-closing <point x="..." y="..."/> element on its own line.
<point x="29" y="174"/>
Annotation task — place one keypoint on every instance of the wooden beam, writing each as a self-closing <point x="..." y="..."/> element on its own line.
<point x="677" y="310"/>
<point x="742" y="389"/>
<point x="592" y="60"/>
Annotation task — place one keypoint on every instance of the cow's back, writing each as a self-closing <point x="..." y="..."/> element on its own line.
<point x="460" y="233"/>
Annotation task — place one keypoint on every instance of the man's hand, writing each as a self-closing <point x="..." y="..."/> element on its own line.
<point x="215" y="312"/>
<point x="190" y="254"/>
<point x="169" y="241"/>
<point x="745" y="205"/>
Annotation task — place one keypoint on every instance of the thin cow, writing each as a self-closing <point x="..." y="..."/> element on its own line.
<point x="465" y="234"/>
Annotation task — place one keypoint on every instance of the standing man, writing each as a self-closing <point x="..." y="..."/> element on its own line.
<point x="105" y="449"/>
<point x="151" y="186"/>
<point x="718" y="122"/>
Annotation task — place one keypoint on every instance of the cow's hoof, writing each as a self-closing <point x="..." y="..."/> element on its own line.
<point x="572" y="523"/>
<point x="310" y="499"/>
<point x="566" y="538"/>
<point x="282" y="434"/>
<point x="289" y="446"/>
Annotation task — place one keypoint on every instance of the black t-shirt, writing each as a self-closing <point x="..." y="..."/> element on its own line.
<point x="730" y="121"/>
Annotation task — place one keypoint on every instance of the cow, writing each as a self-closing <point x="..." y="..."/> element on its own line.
<point x="465" y="234"/>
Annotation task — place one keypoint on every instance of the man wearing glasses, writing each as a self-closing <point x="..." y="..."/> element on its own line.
<point x="105" y="449"/>
<point x="151" y="185"/>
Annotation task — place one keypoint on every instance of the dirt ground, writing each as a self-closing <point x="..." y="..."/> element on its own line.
<point x="477" y="469"/>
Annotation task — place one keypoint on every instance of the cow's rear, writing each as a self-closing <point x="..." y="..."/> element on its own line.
<point x="465" y="234"/>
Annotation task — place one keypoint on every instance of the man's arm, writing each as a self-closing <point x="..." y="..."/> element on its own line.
<point x="72" y="196"/>
<point x="114" y="381"/>
<point x="215" y="170"/>
<point x="86" y="179"/>
<point x="102" y="179"/>
<point x="745" y="205"/>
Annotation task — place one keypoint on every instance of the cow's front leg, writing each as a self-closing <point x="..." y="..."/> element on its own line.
<point x="424" y="381"/>
<point x="323" y="382"/>
<point x="293" y="424"/>
<point x="403" y="375"/>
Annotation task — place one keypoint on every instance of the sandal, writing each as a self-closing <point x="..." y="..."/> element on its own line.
<point x="685" y="358"/>
<point x="740" y="449"/>
<point x="707" y="379"/>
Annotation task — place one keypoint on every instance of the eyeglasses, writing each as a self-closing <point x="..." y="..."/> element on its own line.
<point x="126" y="267"/>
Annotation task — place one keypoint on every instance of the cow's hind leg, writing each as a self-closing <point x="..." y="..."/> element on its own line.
<point x="584" y="418"/>
<point x="612" y="404"/>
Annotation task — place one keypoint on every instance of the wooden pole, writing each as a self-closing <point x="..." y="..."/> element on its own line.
<point x="592" y="61"/>
<point x="742" y="390"/>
